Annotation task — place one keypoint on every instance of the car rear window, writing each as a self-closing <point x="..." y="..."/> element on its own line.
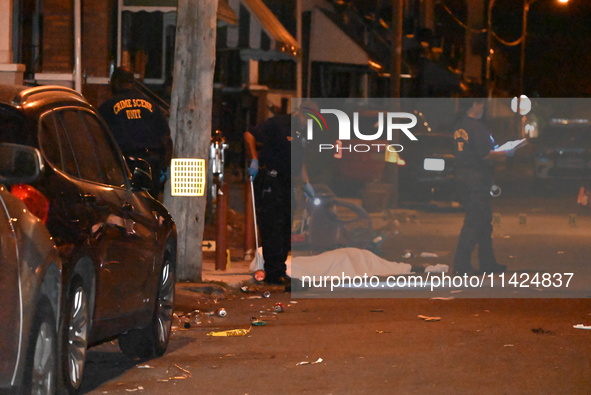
<point x="75" y="142"/>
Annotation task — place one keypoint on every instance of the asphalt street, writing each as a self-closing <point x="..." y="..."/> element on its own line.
<point x="436" y="343"/>
<point x="358" y="346"/>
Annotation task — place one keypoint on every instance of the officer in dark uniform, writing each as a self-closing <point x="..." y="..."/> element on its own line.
<point x="270" y="146"/>
<point x="475" y="160"/>
<point x="139" y="126"/>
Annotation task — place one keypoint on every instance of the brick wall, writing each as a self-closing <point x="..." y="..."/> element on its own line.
<point x="97" y="29"/>
<point x="98" y="32"/>
<point x="58" y="40"/>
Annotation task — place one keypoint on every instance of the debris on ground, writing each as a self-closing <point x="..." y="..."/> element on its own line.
<point x="438" y="268"/>
<point x="177" y="373"/>
<point x="185" y="321"/>
<point x="429" y="319"/>
<point x="138" y="388"/>
<point x="408" y="254"/>
<point x="542" y="331"/>
<point x="581" y="326"/>
<point x="309" y="363"/>
<point x="428" y="255"/>
<point x="230" y="333"/>
<point x="257" y="322"/>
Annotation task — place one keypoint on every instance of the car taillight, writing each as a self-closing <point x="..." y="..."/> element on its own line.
<point x="35" y="201"/>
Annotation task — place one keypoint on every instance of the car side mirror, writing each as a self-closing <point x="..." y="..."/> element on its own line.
<point x="141" y="179"/>
<point x="19" y="164"/>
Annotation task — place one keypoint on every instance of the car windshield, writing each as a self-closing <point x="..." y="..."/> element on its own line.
<point x="579" y="136"/>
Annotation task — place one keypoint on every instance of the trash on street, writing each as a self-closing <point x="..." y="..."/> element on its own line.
<point x="581" y="326"/>
<point x="429" y="255"/>
<point x="257" y="322"/>
<point x="438" y="268"/>
<point x="408" y="254"/>
<point x="429" y="319"/>
<point x="541" y="331"/>
<point x="230" y="333"/>
<point x="309" y="363"/>
<point x="278" y="307"/>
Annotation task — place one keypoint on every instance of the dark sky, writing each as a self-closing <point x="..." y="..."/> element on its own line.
<point x="558" y="50"/>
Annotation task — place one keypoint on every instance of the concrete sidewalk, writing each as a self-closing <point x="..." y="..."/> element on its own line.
<point x="236" y="273"/>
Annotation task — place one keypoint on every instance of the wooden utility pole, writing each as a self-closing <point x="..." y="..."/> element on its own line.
<point x="396" y="50"/>
<point x="395" y="71"/>
<point x="190" y="122"/>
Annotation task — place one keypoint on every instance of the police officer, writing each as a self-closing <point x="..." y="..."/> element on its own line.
<point x="269" y="147"/>
<point x="475" y="160"/>
<point x="139" y="126"/>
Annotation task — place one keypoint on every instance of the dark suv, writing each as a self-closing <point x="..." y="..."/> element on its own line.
<point x="117" y="243"/>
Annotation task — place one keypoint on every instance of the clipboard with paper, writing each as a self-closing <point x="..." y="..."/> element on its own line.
<point x="509" y="145"/>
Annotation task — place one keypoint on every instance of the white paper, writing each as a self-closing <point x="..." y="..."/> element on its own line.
<point x="509" y="145"/>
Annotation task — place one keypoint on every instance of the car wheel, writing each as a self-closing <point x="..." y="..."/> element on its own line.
<point x="41" y="367"/>
<point x="152" y="340"/>
<point x="75" y="336"/>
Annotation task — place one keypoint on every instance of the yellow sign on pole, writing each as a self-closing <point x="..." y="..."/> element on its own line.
<point x="187" y="177"/>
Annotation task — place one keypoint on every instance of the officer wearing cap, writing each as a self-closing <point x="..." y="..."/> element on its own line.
<point x="273" y="153"/>
<point x="139" y="126"/>
<point x="475" y="161"/>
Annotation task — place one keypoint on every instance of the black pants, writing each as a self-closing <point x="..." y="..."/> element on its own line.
<point x="273" y="206"/>
<point x="477" y="228"/>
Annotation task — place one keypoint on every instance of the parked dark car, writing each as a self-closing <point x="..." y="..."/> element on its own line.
<point x="427" y="173"/>
<point x="30" y="280"/>
<point x="563" y="150"/>
<point x="117" y="243"/>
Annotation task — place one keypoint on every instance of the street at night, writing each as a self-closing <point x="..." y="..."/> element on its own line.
<point x="382" y="345"/>
<point x="295" y="197"/>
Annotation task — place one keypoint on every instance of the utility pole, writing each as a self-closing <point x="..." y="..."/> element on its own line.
<point x="489" y="50"/>
<point x="396" y="50"/>
<point x="395" y="71"/>
<point x="190" y="122"/>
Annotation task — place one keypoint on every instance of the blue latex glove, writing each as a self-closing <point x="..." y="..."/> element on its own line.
<point x="511" y="152"/>
<point x="164" y="175"/>
<point x="253" y="168"/>
<point x="308" y="190"/>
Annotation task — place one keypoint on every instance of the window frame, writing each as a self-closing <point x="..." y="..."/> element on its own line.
<point x="109" y="137"/>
